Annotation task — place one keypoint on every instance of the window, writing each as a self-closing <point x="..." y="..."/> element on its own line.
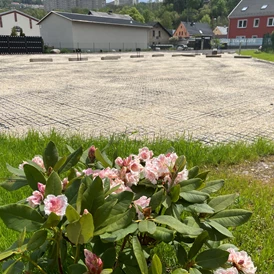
<point x="159" y="33"/>
<point x="256" y="22"/>
<point x="254" y="36"/>
<point x="242" y="23"/>
<point x="153" y="33"/>
<point x="240" y="37"/>
<point x="263" y="7"/>
<point x="244" y="8"/>
<point x="270" y="22"/>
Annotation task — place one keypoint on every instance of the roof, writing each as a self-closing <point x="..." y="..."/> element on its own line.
<point x="99" y="18"/>
<point x="152" y="24"/>
<point x="19" y="12"/>
<point x="249" y="8"/>
<point x="223" y="30"/>
<point x="197" y="28"/>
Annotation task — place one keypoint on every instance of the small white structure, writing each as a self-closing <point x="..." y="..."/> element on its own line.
<point x="97" y="31"/>
<point x="20" y="20"/>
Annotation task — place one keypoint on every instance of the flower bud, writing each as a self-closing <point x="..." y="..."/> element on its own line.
<point x="93" y="262"/>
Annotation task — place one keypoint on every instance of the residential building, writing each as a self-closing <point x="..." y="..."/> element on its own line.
<point x="200" y="34"/>
<point x="69" y="4"/>
<point x="125" y="2"/>
<point x="220" y="32"/>
<point x="158" y="34"/>
<point x="20" y="20"/>
<point x="251" y="19"/>
<point x="97" y="31"/>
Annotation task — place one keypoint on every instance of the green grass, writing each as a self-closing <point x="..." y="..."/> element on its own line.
<point x="255" y="237"/>
<point x="260" y="55"/>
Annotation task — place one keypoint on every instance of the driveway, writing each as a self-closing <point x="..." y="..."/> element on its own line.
<point x="210" y="99"/>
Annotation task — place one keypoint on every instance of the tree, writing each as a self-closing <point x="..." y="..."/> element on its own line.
<point x="148" y="16"/>
<point x="218" y="8"/>
<point x="134" y="13"/>
<point x="166" y="20"/>
<point x="13" y="32"/>
<point x="21" y="32"/>
<point x="206" y="19"/>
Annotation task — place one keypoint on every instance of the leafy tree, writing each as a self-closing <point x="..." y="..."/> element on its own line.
<point x="166" y="20"/>
<point x="134" y="13"/>
<point x="13" y="32"/>
<point x="206" y="19"/>
<point x="218" y="8"/>
<point x="148" y="16"/>
<point x="5" y="3"/>
<point x="21" y="32"/>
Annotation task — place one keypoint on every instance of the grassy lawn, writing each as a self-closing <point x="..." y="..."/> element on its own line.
<point x="223" y="160"/>
<point x="260" y="55"/>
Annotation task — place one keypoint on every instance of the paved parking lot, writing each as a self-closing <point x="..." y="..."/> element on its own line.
<point x="210" y="99"/>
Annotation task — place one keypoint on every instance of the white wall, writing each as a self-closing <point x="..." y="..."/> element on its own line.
<point x="107" y="37"/>
<point x="8" y="22"/>
<point x="57" y="32"/>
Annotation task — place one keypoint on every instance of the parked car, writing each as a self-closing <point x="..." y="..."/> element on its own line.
<point x="182" y="47"/>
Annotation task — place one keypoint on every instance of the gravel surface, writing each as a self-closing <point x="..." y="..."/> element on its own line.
<point x="210" y="99"/>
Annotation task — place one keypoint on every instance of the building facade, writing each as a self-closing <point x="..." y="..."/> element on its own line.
<point x="251" y="19"/>
<point x="158" y="34"/>
<point x="98" y="31"/>
<point x="20" y="20"/>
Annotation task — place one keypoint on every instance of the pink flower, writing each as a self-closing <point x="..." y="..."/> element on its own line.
<point x="182" y="175"/>
<point x="93" y="262"/>
<point x="21" y="166"/>
<point x="64" y="183"/>
<point x="36" y="198"/>
<point x="231" y="270"/>
<point x="41" y="188"/>
<point x="241" y="261"/>
<point x="91" y="153"/>
<point x="145" y="154"/>
<point x="119" y="161"/>
<point x="142" y="202"/>
<point x="39" y="161"/>
<point x="56" y="204"/>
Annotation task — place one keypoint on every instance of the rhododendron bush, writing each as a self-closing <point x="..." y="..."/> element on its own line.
<point x="86" y="213"/>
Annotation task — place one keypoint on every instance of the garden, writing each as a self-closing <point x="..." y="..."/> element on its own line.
<point x="119" y="205"/>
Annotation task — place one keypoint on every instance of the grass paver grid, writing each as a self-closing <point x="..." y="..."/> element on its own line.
<point x="213" y="100"/>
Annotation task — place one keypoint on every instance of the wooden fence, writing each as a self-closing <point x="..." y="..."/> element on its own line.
<point x="20" y="44"/>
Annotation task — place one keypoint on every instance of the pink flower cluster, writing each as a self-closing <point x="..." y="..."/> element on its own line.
<point x="37" y="160"/>
<point x="93" y="262"/>
<point x="56" y="204"/>
<point x="140" y="204"/>
<point x="241" y="263"/>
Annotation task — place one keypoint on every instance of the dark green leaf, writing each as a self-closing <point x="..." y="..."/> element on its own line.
<point x="202" y="175"/>
<point x="53" y="185"/>
<point x="109" y="257"/>
<point x="222" y="202"/>
<point x="77" y="268"/>
<point x="163" y="234"/>
<point x="72" y="160"/>
<point x="194" y="196"/>
<point x="220" y="228"/>
<point x="60" y="163"/>
<point x="139" y="254"/>
<point x="16" y="171"/>
<point x="175" y="193"/>
<point x="18" y="216"/>
<point x="212" y="258"/>
<point x="181" y="254"/>
<point x="197" y="245"/>
<point x="102" y="159"/>
<point x="191" y="184"/>
<point x="33" y="176"/>
<point x="37" y="239"/>
<point x="201" y="208"/>
<point x="50" y="156"/>
<point x="156" y="199"/>
<point x="193" y="172"/>
<point x="231" y="217"/>
<point x="52" y="220"/>
<point x="147" y="226"/>
<point x="14" y="267"/>
<point x="14" y="183"/>
<point x="212" y="186"/>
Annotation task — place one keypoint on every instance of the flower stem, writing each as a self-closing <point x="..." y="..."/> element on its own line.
<point x="34" y="263"/>
<point x="76" y="257"/>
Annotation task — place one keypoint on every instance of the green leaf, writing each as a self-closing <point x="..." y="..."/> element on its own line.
<point x="52" y="220"/>
<point x="220" y="228"/>
<point x="194" y="196"/>
<point x="21" y="238"/>
<point x="119" y="234"/>
<point x="181" y="254"/>
<point x="190" y="184"/>
<point x="201" y="208"/>
<point x="212" y="258"/>
<point x="212" y="186"/>
<point x="33" y="176"/>
<point x="193" y="172"/>
<point x="87" y="228"/>
<point x="71" y="214"/>
<point x="156" y="265"/>
<point x="37" y="239"/>
<point x="175" y="193"/>
<point x="139" y="254"/>
<point x="179" y="271"/>
<point x="106" y="271"/>
<point x="16" y="171"/>
<point x="14" y="183"/>
<point x="147" y="226"/>
<point x="156" y="199"/>
<point x="166" y="202"/>
<point x="72" y="160"/>
<point x="18" y="216"/>
<point x="231" y="217"/>
<point x="15" y="267"/>
<point x="178" y="226"/>
<point x="77" y="268"/>
<point x="60" y="163"/>
<point x="50" y="156"/>
<point x="202" y="175"/>
<point x="53" y="185"/>
<point x="197" y="245"/>
<point x="81" y="191"/>
<point x="109" y="257"/>
<point x="194" y="271"/>
<point x="163" y="234"/>
<point x="6" y="254"/>
<point x="102" y="159"/>
<point x="222" y="202"/>
<point x="180" y="163"/>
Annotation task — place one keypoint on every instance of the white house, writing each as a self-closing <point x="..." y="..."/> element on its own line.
<point x="95" y="31"/>
<point x="18" y="19"/>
